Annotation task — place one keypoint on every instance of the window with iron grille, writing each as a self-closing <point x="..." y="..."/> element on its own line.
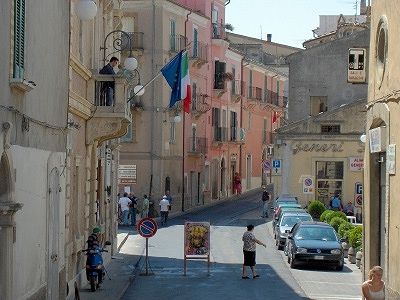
<point x="219" y="71"/>
<point x="19" y="39"/>
<point x="330" y="128"/>
<point x="194" y="96"/>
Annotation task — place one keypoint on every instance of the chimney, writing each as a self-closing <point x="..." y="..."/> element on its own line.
<point x="269" y="37"/>
<point x="363" y="7"/>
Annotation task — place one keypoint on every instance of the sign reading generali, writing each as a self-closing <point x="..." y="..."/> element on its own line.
<point x="356" y="164"/>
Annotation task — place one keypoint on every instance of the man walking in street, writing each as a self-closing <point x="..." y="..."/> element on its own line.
<point x="164" y="209"/>
<point x="124" y="203"/>
<point x="169" y="198"/>
<point x="249" y="251"/>
<point x="265" y="202"/>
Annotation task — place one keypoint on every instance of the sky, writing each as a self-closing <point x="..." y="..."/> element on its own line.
<point x="289" y="21"/>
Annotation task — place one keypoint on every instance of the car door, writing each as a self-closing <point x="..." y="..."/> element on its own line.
<point x="290" y="242"/>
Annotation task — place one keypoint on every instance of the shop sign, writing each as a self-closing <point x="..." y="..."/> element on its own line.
<point x="377" y="137"/>
<point x="127" y="174"/>
<point x="391" y="159"/>
<point x="315" y="147"/>
<point x="308" y="185"/>
<point x="356" y="164"/>
<point x="356" y="65"/>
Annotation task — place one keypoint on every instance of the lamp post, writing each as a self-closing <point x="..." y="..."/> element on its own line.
<point x="86" y="10"/>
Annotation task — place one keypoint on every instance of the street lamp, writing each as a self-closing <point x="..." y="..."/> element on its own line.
<point x="363" y="138"/>
<point x="86" y="9"/>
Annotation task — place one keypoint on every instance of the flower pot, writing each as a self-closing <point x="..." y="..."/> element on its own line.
<point x="358" y="258"/>
<point x="345" y="249"/>
<point x="351" y="255"/>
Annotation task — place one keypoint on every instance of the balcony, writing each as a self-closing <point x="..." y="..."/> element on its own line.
<point x="271" y="97"/>
<point x="267" y="137"/>
<point x="218" y="31"/>
<point x="238" y="87"/>
<point x="236" y="135"/>
<point x="196" y="146"/>
<point x="254" y="93"/>
<point x="199" y="107"/>
<point x="112" y="114"/>
<point x="136" y="42"/>
<point x="199" y="53"/>
<point x="177" y="43"/>
<point x="220" y="134"/>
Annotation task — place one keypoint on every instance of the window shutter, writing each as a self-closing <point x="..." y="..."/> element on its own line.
<point x="19" y="38"/>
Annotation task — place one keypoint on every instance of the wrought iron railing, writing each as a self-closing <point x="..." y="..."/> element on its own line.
<point x="200" y="51"/>
<point x="177" y="42"/>
<point x="197" y="145"/>
<point x="237" y="86"/>
<point x="271" y="97"/>
<point x="136" y="41"/>
<point x="220" y="134"/>
<point x="254" y="93"/>
<point x="218" y="31"/>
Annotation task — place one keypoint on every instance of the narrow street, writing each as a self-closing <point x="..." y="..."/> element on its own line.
<point x="228" y="222"/>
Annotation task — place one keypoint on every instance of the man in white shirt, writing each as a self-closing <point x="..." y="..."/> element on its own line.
<point x="124" y="203"/>
<point x="164" y="209"/>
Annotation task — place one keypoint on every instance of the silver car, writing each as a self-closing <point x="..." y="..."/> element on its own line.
<point x="285" y="225"/>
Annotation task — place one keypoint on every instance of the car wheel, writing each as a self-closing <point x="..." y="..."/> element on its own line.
<point x="293" y="264"/>
<point x="288" y="259"/>
<point x="340" y="266"/>
<point x="279" y="246"/>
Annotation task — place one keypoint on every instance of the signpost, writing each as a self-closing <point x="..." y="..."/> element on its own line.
<point x="277" y="167"/>
<point x="308" y="185"/>
<point x="358" y="196"/>
<point x="266" y="165"/>
<point x="147" y="228"/>
<point x="196" y="243"/>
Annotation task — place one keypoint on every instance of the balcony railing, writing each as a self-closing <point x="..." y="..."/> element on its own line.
<point x="267" y="137"/>
<point x="136" y="41"/>
<point x="220" y="134"/>
<point x="271" y="97"/>
<point x="177" y="42"/>
<point x="197" y="145"/>
<point x="285" y="101"/>
<point x="218" y="31"/>
<point x="254" y="93"/>
<point x="237" y="87"/>
<point x="199" y="51"/>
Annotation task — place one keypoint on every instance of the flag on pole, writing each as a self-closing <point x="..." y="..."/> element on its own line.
<point x="176" y="72"/>
<point x="275" y="117"/>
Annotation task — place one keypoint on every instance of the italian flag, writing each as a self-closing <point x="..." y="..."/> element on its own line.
<point x="185" y="88"/>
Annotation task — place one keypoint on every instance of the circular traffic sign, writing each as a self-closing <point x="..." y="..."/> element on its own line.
<point x="147" y="227"/>
<point x="308" y="182"/>
<point x="266" y="165"/>
<point x="359" y="199"/>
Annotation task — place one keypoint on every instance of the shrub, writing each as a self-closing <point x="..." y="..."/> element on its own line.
<point x="316" y="208"/>
<point x="355" y="237"/>
<point x="344" y="230"/>
<point x="336" y="222"/>
<point x="339" y="214"/>
<point x="325" y="214"/>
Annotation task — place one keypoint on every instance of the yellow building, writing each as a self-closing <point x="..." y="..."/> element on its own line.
<point x="382" y="182"/>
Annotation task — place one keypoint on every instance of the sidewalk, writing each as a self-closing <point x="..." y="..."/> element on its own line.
<point x="123" y="268"/>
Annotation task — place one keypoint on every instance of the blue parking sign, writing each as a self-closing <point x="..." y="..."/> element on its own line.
<point x="276" y="163"/>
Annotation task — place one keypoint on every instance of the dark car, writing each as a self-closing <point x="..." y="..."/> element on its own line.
<point x="314" y="242"/>
<point x="285" y="225"/>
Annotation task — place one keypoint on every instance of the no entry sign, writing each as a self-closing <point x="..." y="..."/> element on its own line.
<point x="147" y="227"/>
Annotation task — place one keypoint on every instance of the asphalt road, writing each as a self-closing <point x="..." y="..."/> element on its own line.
<point x="228" y="221"/>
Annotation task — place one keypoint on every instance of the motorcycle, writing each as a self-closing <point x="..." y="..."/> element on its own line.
<point x="95" y="270"/>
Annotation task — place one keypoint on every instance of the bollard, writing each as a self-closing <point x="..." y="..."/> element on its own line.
<point x="351" y="255"/>
<point x="358" y="258"/>
<point x="345" y="249"/>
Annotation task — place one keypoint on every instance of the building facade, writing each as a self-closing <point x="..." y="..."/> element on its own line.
<point x="381" y="208"/>
<point x="33" y="120"/>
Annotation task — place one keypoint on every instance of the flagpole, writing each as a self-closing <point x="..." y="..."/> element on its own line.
<point x="143" y="87"/>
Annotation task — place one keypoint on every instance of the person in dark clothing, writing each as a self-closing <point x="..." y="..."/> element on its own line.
<point x="108" y="86"/>
<point x="265" y="200"/>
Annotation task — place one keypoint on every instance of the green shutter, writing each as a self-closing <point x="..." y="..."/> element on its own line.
<point x="19" y="38"/>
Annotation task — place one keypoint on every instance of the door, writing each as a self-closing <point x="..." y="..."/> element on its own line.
<point x="53" y="234"/>
<point x="193" y="187"/>
<point x="382" y="210"/>
<point x="233" y="171"/>
<point x="222" y="187"/>
<point x="249" y="172"/>
<point x="198" y="187"/>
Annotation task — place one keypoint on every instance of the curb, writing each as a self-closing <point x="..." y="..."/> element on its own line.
<point x="130" y="280"/>
<point x="122" y="242"/>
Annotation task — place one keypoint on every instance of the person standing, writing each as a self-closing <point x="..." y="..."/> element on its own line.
<point x="132" y="209"/>
<point x="265" y="202"/>
<point x="124" y="203"/>
<point x="349" y="209"/>
<point x="249" y="251"/>
<point x="145" y="207"/>
<point x="108" y="86"/>
<point x="237" y="184"/>
<point x="374" y="287"/>
<point x="169" y="198"/>
<point x="336" y="202"/>
<point x="164" y="209"/>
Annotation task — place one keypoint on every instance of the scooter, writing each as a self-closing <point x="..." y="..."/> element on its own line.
<point x="95" y="270"/>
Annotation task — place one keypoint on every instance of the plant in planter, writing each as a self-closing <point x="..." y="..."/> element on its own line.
<point x="316" y="208"/>
<point x="325" y="214"/>
<point x="336" y="222"/>
<point x="355" y="241"/>
<point x="334" y="214"/>
<point x="344" y="230"/>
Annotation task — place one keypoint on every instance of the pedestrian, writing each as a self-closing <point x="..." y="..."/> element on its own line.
<point x="145" y="207"/>
<point x="265" y="202"/>
<point x="124" y="203"/>
<point x="349" y="209"/>
<point x="169" y="198"/>
<point x="336" y="202"/>
<point x="164" y="209"/>
<point x="108" y="86"/>
<point x="237" y="184"/>
<point x="249" y="251"/>
<point x="374" y="287"/>
<point x="132" y="209"/>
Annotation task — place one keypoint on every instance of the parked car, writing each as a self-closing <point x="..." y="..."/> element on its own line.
<point x="314" y="242"/>
<point x="284" y="198"/>
<point x="276" y="218"/>
<point x="285" y="204"/>
<point x="287" y="221"/>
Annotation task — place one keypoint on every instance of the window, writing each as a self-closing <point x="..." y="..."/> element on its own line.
<point x="195" y="42"/>
<point x="329" y="179"/>
<point x="172" y="32"/>
<point x="194" y="96"/>
<point x="19" y="39"/>
<point x="220" y="68"/>
<point x="172" y="132"/>
<point x="264" y="133"/>
<point x="250" y="84"/>
<point x="233" y="127"/>
<point x="330" y="128"/>
<point x="318" y="104"/>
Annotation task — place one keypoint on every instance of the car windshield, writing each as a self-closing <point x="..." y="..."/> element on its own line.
<point x="290" y="221"/>
<point x="315" y="233"/>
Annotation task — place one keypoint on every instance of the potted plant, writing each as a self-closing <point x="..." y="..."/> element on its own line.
<point x="355" y="241"/>
<point x="316" y="208"/>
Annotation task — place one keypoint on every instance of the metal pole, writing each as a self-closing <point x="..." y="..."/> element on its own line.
<point x="147" y="256"/>
<point x="183" y="158"/>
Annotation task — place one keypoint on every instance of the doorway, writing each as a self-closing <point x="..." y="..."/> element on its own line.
<point x="53" y="234"/>
<point x="233" y="171"/>
<point x="249" y="172"/>
<point x="223" y="181"/>
<point x="382" y="210"/>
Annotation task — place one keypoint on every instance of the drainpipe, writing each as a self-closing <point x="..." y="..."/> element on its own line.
<point x="153" y="45"/>
<point x="241" y="115"/>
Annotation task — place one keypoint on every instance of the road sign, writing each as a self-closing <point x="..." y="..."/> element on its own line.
<point x="308" y="185"/>
<point x="147" y="227"/>
<point x="276" y="167"/>
<point x="358" y="200"/>
<point x="266" y="165"/>
<point x="359" y="188"/>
